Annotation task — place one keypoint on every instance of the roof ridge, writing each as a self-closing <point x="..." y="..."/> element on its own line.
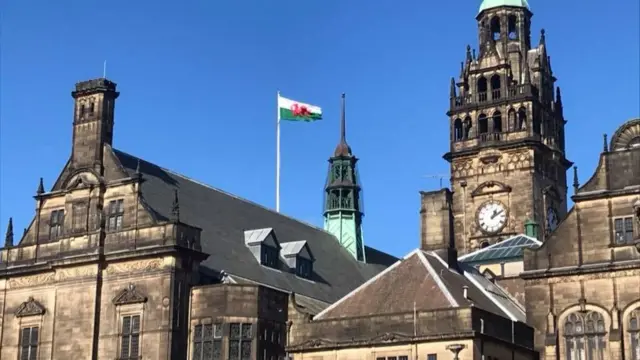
<point x="229" y="194"/>
<point x="437" y="279"/>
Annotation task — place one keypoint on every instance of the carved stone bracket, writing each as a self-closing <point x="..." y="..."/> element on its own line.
<point x="130" y="295"/>
<point x="491" y="187"/>
<point x="30" y="308"/>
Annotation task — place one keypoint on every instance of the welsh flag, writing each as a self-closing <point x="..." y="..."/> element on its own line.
<point x="292" y="110"/>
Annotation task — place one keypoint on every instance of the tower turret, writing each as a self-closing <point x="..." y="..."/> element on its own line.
<point x="343" y="196"/>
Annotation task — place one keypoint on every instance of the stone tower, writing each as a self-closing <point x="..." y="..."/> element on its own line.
<point x="507" y="153"/>
<point x="92" y="122"/>
<point x="343" y="211"/>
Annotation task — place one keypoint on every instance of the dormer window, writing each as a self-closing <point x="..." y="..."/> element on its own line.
<point x="269" y="256"/>
<point x="264" y="246"/>
<point x="298" y="257"/>
<point x="303" y="267"/>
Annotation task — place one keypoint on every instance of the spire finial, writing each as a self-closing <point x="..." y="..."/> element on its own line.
<point x="138" y="168"/>
<point x="543" y="38"/>
<point x="469" y="58"/>
<point x="558" y="96"/>
<point x="343" y="130"/>
<point x="40" y="190"/>
<point x="452" y="92"/>
<point x="8" y="239"/>
<point x="175" y="208"/>
<point x="576" y="184"/>
<point x="605" y="145"/>
<point x="474" y="54"/>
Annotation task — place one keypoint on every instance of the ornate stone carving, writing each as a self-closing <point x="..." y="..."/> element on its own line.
<point x="491" y="187"/>
<point x="463" y="168"/>
<point x="130" y="295"/>
<point x="76" y="272"/>
<point x="387" y="337"/>
<point x="134" y="266"/>
<point x="313" y="343"/>
<point x="31" y="280"/>
<point x="29" y="308"/>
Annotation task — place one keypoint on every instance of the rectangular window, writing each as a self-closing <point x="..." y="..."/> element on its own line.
<point x="624" y="230"/>
<point x="240" y="337"/>
<point x="115" y="213"/>
<point x="303" y="267"/>
<point x="130" y="338"/>
<point x="269" y="256"/>
<point x="207" y="342"/>
<point x="29" y="343"/>
<point x="79" y="217"/>
<point x="432" y="357"/>
<point x="56" y="224"/>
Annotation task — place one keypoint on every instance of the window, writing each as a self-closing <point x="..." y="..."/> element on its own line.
<point x="269" y="256"/>
<point x="240" y="336"/>
<point x="79" y="217"/>
<point x="207" y="342"/>
<point x="303" y="267"/>
<point x="634" y="334"/>
<point x="130" y="338"/>
<point x="115" y="213"/>
<point x="432" y="357"/>
<point x="584" y="335"/>
<point x="29" y="343"/>
<point x="624" y="230"/>
<point x="56" y="223"/>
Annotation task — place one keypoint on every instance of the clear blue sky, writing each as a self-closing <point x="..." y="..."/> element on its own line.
<point x="198" y="81"/>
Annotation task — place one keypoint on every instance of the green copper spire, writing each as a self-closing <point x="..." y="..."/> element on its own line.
<point x="343" y="196"/>
<point x="490" y="4"/>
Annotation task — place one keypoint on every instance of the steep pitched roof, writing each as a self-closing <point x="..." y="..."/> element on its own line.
<point x="224" y="218"/>
<point x="423" y="281"/>
<point x="508" y="249"/>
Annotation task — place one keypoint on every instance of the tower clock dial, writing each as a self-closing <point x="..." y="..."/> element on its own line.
<point x="492" y="216"/>
<point x="552" y="219"/>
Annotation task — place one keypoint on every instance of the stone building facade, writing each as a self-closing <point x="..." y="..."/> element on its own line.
<point x="583" y="283"/>
<point x="127" y="260"/>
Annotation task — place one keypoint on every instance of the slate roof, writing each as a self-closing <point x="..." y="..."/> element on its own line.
<point x="224" y="218"/>
<point x="423" y="279"/>
<point x="508" y="249"/>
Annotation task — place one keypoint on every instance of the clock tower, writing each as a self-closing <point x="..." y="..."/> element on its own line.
<point x="507" y="152"/>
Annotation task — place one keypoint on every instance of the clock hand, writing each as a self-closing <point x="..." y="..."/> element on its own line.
<point x="496" y="213"/>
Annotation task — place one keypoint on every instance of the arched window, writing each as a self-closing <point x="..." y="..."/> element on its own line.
<point x="483" y="124"/>
<point x="634" y="334"/>
<point x="513" y="29"/>
<point x="522" y="119"/>
<point x="495" y="87"/>
<point x="467" y="127"/>
<point x="511" y="117"/>
<point x="584" y="336"/>
<point x="495" y="28"/>
<point x="457" y="130"/>
<point x="497" y="122"/>
<point x="482" y="88"/>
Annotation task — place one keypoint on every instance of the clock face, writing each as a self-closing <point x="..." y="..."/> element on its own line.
<point x="552" y="219"/>
<point x="492" y="216"/>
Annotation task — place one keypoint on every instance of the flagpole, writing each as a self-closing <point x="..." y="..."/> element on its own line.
<point x="278" y="153"/>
